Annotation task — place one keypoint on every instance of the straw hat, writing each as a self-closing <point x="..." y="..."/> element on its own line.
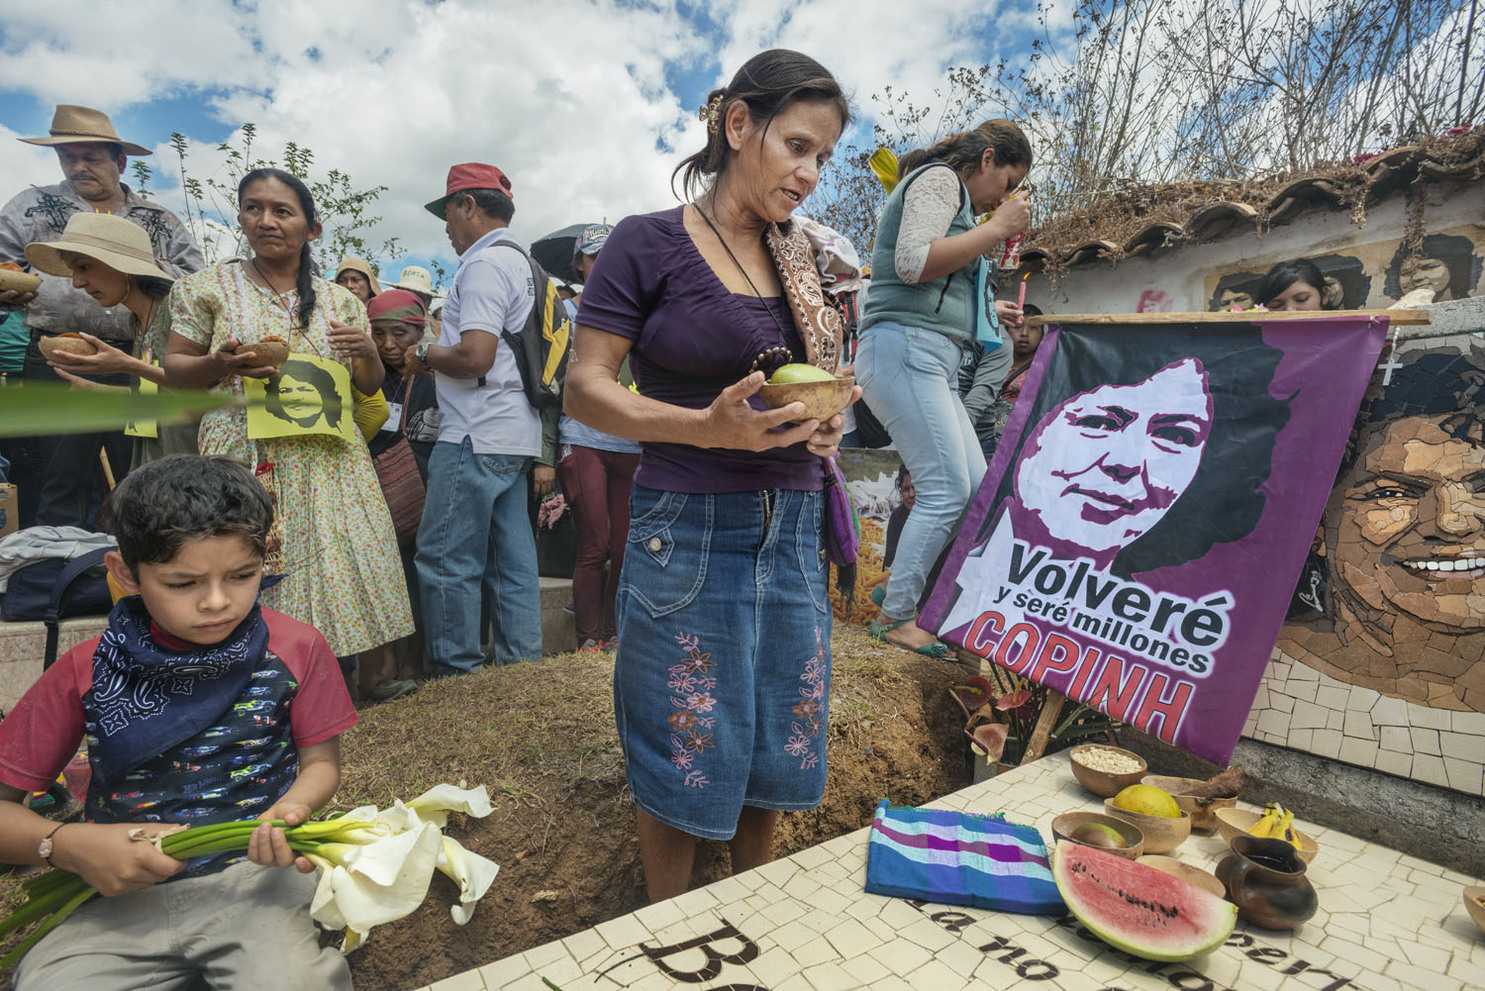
<point x="414" y="278"/>
<point x="350" y="263"/>
<point x="120" y="244"/>
<point x="75" y="125"/>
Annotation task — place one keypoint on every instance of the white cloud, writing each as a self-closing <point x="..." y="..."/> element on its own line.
<point x="569" y="97"/>
<point x="865" y="45"/>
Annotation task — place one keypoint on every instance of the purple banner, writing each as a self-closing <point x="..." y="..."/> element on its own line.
<point x="1136" y="541"/>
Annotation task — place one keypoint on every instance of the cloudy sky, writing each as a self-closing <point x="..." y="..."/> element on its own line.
<point x="586" y="105"/>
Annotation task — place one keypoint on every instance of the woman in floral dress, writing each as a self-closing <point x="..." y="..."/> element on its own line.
<point x="339" y="551"/>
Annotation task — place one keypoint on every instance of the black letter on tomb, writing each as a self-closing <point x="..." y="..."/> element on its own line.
<point x="714" y="960"/>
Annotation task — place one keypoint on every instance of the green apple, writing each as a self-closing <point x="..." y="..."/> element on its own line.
<point x="796" y="373"/>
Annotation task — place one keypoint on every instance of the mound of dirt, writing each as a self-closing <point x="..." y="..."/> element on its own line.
<point x="542" y="737"/>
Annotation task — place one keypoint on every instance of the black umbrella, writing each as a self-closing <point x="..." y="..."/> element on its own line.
<point x="555" y="251"/>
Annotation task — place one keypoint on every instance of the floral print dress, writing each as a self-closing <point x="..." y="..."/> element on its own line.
<point x="339" y="551"/>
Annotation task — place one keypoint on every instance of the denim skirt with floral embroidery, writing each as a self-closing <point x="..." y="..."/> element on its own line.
<point x="722" y="679"/>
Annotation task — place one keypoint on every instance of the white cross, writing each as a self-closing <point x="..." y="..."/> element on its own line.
<point x="1392" y="363"/>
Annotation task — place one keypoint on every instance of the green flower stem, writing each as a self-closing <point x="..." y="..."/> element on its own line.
<point x="42" y="883"/>
<point x="8" y="962"/>
<point x="39" y="906"/>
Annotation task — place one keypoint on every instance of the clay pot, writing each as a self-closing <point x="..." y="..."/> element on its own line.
<point x="821" y="400"/>
<point x="1266" y="880"/>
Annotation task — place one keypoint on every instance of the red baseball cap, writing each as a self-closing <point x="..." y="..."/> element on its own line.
<point x="470" y="175"/>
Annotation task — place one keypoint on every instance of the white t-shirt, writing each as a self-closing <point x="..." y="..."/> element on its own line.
<point x="492" y="292"/>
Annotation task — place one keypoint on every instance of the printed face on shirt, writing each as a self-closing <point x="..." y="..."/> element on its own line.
<point x="202" y="593"/>
<point x="302" y="393"/>
<point x="1408" y="524"/>
<point x="1105" y="466"/>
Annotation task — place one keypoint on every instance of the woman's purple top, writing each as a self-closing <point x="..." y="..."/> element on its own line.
<point x="692" y="338"/>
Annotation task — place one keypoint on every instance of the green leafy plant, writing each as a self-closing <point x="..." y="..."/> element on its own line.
<point x="346" y="209"/>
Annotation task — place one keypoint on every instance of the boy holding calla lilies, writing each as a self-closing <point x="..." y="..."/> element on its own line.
<point x="199" y="707"/>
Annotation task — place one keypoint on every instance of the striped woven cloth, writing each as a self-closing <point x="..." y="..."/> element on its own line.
<point x="954" y="858"/>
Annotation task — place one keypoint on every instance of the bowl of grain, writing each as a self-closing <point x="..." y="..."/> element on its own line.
<point x="1106" y="770"/>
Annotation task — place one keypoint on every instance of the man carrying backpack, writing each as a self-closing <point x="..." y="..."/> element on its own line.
<point x="475" y="530"/>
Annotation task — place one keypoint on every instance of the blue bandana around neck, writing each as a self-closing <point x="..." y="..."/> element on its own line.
<point x="147" y="698"/>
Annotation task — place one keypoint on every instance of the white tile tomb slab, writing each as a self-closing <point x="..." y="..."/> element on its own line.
<point x="1386" y="922"/>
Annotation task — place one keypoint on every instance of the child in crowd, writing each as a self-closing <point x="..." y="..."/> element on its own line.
<point x="199" y="706"/>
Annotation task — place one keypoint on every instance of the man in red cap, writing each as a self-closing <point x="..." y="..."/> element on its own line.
<point x="476" y="532"/>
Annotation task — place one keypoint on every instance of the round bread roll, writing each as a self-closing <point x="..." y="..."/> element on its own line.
<point x="272" y="351"/>
<point x="65" y="344"/>
<point x="13" y="281"/>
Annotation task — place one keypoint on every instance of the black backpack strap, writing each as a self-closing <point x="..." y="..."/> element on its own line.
<point x="538" y="278"/>
<point x="71" y="571"/>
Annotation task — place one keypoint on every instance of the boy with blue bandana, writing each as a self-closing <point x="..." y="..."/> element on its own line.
<point x="198" y="705"/>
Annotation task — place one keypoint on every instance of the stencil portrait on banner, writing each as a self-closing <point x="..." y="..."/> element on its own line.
<point x="1152" y="483"/>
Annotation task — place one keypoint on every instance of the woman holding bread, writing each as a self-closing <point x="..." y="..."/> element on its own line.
<point x="111" y="259"/>
<point x="241" y="319"/>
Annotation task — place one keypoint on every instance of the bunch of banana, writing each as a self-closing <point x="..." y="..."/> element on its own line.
<point x="1277" y="824"/>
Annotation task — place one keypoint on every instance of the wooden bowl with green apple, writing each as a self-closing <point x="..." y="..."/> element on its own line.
<point x="822" y="393"/>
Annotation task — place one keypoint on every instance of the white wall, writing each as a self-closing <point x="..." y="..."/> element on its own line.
<point x="1180" y="272"/>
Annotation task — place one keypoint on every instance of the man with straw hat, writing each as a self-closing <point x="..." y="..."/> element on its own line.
<point x="356" y="275"/>
<point x="92" y="157"/>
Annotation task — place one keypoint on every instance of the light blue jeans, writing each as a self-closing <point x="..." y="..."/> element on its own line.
<point x="910" y="379"/>
<point x="476" y="534"/>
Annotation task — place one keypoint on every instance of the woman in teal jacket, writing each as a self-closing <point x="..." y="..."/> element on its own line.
<point x="931" y="298"/>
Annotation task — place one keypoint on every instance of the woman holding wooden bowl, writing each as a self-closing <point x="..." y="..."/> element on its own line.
<point x="722" y="674"/>
<point x="112" y="260"/>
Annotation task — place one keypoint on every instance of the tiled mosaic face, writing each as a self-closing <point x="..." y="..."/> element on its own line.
<point x="1409" y="524"/>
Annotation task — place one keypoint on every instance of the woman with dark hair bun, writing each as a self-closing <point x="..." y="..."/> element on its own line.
<point x="722" y="676"/>
<point x="1295" y="285"/>
<point x="339" y="549"/>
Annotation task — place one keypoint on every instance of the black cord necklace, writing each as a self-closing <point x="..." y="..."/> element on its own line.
<point x="782" y="351"/>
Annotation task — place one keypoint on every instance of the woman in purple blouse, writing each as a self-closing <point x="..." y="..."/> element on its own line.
<point x="722" y="677"/>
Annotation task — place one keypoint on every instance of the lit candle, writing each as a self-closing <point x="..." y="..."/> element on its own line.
<point x="1021" y="295"/>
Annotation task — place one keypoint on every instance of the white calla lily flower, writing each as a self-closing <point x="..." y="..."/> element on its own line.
<point x="375" y="883"/>
<point x="435" y="804"/>
<point x="471" y="872"/>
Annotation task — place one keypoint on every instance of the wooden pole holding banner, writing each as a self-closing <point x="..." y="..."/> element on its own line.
<point x="107" y="468"/>
<point x="1041" y="733"/>
<point x="1398" y="318"/>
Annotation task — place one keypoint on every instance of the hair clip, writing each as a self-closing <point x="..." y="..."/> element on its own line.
<point x="711" y="113"/>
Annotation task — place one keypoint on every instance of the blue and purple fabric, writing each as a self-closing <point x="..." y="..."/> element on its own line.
<point x="954" y="858"/>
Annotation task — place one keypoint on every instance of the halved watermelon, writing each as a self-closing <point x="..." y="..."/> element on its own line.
<point x="1138" y="909"/>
